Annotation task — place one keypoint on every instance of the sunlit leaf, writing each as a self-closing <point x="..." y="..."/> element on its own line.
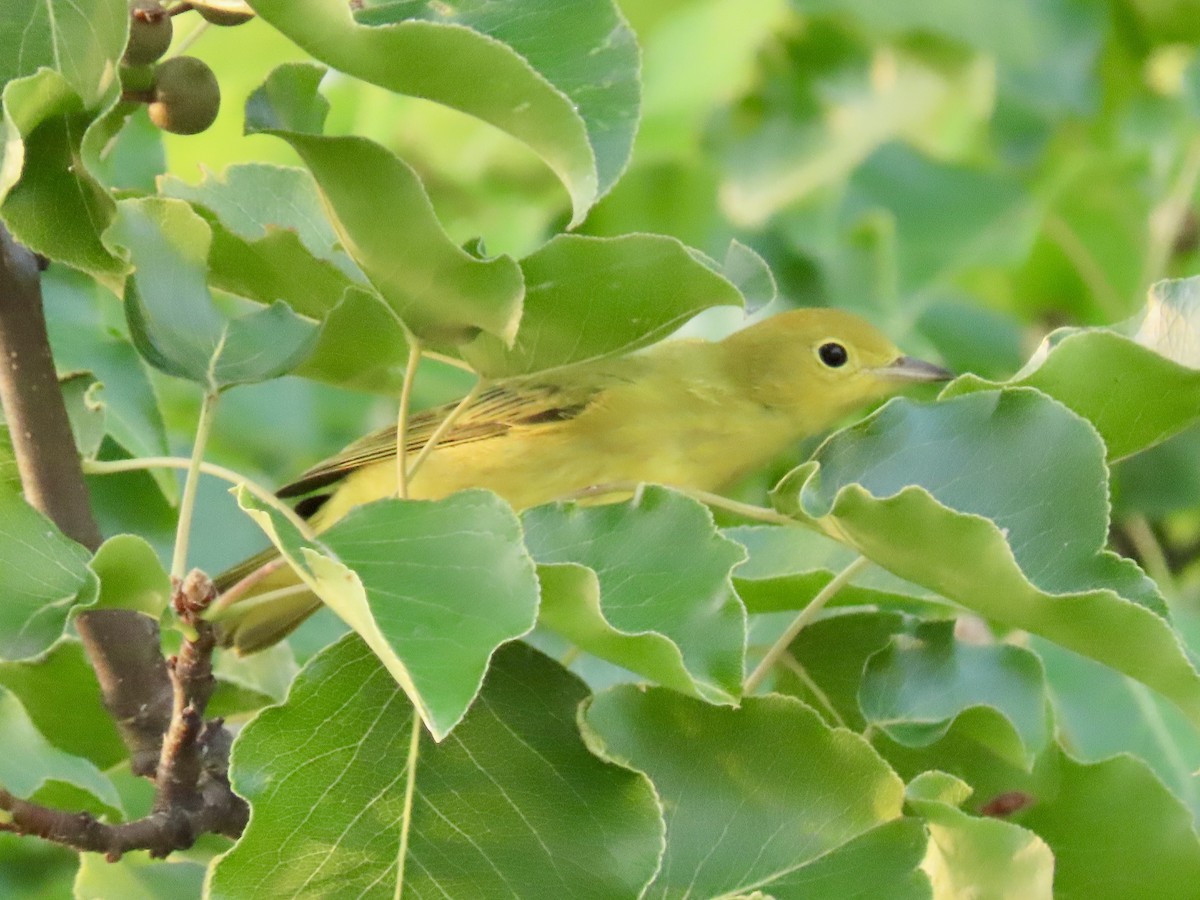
<point x="385" y="221"/>
<point x="433" y="587"/>
<point x="563" y="79"/>
<point x="971" y="856"/>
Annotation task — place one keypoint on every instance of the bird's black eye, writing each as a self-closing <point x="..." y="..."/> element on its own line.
<point x="833" y="355"/>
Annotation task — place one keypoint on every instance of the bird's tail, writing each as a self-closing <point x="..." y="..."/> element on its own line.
<point x="271" y="607"/>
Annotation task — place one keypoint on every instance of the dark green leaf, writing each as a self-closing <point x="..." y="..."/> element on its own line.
<point x="511" y="804"/>
<point x="42" y="576"/>
<point x="756" y="795"/>
<point x="34" y="769"/>
<point x="644" y="585"/>
<point x="175" y="324"/>
<point x="921" y="681"/>
<point x="1140" y="840"/>
<point x="59" y="679"/>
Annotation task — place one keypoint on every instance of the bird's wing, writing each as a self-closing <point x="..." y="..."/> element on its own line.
<point x="495" y="412"/>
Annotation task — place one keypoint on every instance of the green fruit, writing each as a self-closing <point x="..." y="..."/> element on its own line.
<point x="186" y="96"/>
<point x="150" y="32"/>
<point x="224" y="12"/>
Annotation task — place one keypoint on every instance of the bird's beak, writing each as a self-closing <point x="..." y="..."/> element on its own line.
<point x="907" y="368"/>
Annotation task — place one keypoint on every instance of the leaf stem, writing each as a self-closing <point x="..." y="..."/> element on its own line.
<point x="1153" y="559"/>
<point x="444" y="426"/>
<point x="747" y="510"/>
<point x="410" y="375"/>
<point x="806" y="615"/>
<point x="112" y="466"/>
<point x="187" y="504"/>
<point x="190" y="38"/>
<point x="410" y="787"/>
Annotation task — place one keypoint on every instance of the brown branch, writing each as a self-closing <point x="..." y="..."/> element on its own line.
<point x="122" y="645"/>
<point x="160" y="832"/>
<point x="37" y="420"/>
<point x="179" y="767"/>
<point x="193" y="795"/>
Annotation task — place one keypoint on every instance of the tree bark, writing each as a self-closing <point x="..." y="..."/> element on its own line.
<point x="123" y="646"/>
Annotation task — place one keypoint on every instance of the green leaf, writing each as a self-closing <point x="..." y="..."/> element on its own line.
<point x="1134" y="720"/>
<point x="271" y="239"/>
<point x="81" y="395"/>
<point x="914" y="688"/>
<point x="965" y="496"/>
<point x="171" y="314"/>
<point x="512" y="804"/>
<point x="645" y="585"/>
<point x="52" y="203"/>
<point x="1137" y="391"/>
<point x="589" y="297"/>
<point x="384" y="219"/>
<point x="561" y="79"/>
<point x="87" y="333"/>
<point x="79" y="40"/>
<point x="131" y="576"/>
<point x="784" y="151"/>
<point x="35" y="869"/>
<point x="1140" y="840"/>
<point x="788" y="567"/>
<point x="34" y="769"/>
<point x="830" y="656"/>
<point x="253" y="199"/>
<point x="362" y="345"/>
<point x="252" y="681"/>
<point x="433" y="587"/>
<point x="977" y="857"/>
<point x="1161" y="480"/>
<point x="62" y="679"/>
<point x="1044" y="50"/>
<point x="759" y="796"/>
<point x="947" y="217"/>
<point x="42" y="576"/>
<point x="135" y="876"/>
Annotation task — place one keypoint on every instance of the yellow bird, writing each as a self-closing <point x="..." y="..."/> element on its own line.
<point x="689" y="414"/>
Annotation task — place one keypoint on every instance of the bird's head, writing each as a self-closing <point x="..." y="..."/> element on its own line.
<point x="819" y="364"/>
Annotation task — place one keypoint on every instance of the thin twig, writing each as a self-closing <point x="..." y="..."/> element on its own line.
<point x="410" y="376"/>
<point x="112" y="466"/>
<point x="410" y="786"/>
<point x="793" y="665"/>
<point x="746" y="510"/>
<point x="806" y="615"/>
<point x="187" y="503"/>
<point x="444" y="426"/>
<point x="190" y="38"/>
<point x="1142" y="537"/>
